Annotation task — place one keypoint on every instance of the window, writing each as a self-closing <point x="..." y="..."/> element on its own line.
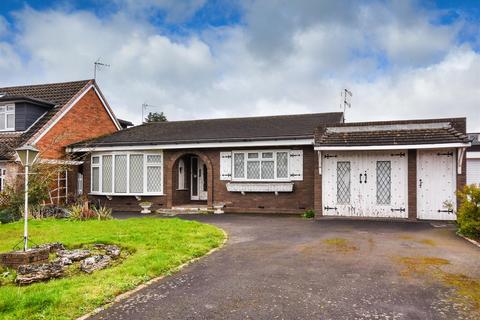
<point x="7" y="117"/>
<point x="127" y="173"/>
<point x="3" y="174"/>
<point x="343" y="182"/>
<point x="384" y="182"/>
<point x="181" y="174"/>
<point x="260" y="165"/>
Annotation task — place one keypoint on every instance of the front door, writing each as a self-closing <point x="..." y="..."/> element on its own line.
<point x="436" y="185"/>
<point x="198" y="179"/>
<point x="365" y="184"/>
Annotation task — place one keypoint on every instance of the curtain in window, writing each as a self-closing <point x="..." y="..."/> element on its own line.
<point x="136" y="173"/>
<point x="107" y="174"/>
<point x="120" y="173"/>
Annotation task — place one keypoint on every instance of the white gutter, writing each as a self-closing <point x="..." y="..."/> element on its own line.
<point x="233" y="144"/>
<point x="393" y="147"/>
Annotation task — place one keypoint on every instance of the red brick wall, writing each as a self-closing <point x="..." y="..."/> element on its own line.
<point x="85" y="120"/>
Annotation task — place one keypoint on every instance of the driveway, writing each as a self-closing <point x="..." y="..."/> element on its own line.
<point x="290" y="268"/>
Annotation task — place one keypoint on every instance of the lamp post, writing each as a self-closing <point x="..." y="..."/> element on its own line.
<point x="27" y="155"/>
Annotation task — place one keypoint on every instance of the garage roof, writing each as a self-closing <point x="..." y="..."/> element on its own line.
<point x="391" y="134"/>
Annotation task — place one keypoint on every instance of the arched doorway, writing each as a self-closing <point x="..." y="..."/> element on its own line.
<point x="190" y="181"/>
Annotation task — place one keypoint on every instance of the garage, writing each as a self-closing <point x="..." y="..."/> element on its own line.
<point x="393" y="169"/>
<point x="473" y="171"/>
<point x="365" y="184"/>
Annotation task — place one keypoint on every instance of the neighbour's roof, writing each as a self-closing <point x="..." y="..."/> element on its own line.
<point x="384" y="133"/>
<point x="125" y="123"/>
<point x="297" y="126"/>
<point x="54" y="94"/>
<point x="475" y="137"/>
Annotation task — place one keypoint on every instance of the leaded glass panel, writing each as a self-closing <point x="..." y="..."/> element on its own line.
<point x="282" y="165"/>
<point x="136" y="173"/>
<point x="120" y="173"/>
<point x="268" y="170"/>
<point x="107" y="174"/>
<point x="253" y="169"/>
<point x="154" y="179"/>
<point x="343" y="182"/>
<point x="239" y="165"/>
<point x="154" y="158"/>
<point x="384" y="182"/>
<point x="95" y="179"/>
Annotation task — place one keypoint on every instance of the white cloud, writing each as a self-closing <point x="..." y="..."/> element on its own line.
<point x="297" y="60"/>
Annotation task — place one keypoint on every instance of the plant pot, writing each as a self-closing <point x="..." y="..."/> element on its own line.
<point x="146" y="207"/>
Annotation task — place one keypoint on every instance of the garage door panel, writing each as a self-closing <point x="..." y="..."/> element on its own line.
<point x="377" y="184"/>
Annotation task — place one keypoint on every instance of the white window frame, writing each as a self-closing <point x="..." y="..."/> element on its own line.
<point x="260" y="158"/>
<point x="6" y="113"/>
<point x="145" y="165"/>
<point x="3" y="176"/>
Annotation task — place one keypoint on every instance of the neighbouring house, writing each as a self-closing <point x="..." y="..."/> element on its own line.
<point x="50" y="117"/>
<point x="473" y="159"/>
<point x="283" y="164"/>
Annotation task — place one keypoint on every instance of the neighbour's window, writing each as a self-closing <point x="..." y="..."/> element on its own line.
<point x="3" y="174"/>
<point x="127" y="173"/>
<point x="260" y="165"/>
<point x="7" y="117"/>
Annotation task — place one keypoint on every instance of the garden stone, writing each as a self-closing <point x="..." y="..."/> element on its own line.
<point x="112" y="250"/>
<point x="95" y="263"/>
<point x="74" y="255"/>
<point x="63" y="261"/>
<point x="52" y="247"/>
<point x="27" y="274"/>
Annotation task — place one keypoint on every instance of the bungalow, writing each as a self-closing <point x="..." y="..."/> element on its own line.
<point x="283" y="164"/>
<point x="50" y="117"/>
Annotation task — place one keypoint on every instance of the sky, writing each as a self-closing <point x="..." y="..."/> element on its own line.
<point x="197" y="59"/>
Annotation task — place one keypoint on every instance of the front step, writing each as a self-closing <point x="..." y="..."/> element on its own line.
<point x="185" y="210"/>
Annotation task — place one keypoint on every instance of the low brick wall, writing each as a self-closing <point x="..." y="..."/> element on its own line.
<point x="17" y="258"/>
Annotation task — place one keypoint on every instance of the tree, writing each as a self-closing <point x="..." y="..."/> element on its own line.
<point x="156" y="117"/>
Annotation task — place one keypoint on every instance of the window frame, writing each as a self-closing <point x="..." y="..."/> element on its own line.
<point x="3" y="177"/>
<point x="260" y="158"/>
<point x="6" y="113"/>
<point x="128" y="154"/>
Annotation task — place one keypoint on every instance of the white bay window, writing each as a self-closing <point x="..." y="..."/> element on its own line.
<point x="127" y="173"/>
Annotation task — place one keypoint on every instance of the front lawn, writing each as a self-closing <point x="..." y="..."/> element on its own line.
<point x="156" y="245"/>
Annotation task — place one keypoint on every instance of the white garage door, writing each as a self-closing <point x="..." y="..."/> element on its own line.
<point x="473" y="171"/>
<point x="365" y="184"/>
<point x="436" y="185"/>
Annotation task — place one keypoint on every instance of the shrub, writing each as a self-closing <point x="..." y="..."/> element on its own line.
<point x="468" y="216"/>
<point x="309" y="214"/>
<point x="80" y="213"/>
<point x="10" y="214"/>
<point x="103" y="213"/>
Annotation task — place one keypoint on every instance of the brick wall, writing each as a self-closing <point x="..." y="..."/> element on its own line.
<point x="412" y="184"/>
<point x="85" y="120"/>
<point x="294" y="202"/>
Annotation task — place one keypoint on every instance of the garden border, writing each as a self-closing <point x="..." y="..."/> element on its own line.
<point x="127" y="294"/>
<point x="474" y="242"/>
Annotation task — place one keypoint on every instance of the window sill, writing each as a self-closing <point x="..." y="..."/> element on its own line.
<point x="126" y="194"/>
<point x="275" y="187"/>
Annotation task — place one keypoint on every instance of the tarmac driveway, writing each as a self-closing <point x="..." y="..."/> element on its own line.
<point x="290" y="268"/>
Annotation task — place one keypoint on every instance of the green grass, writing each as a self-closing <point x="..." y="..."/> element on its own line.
<point x="156" y="247"/>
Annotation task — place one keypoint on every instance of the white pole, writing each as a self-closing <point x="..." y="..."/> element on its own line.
<point x="25" y="231"/>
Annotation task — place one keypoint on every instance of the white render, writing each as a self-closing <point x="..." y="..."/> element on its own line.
<point x="436" y="184"/>
<point x="363" y="184"/>
<point x="473" y="171"/>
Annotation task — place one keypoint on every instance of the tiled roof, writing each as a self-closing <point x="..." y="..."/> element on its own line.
<point x="219" y="130"/>
<point x="433" y="131"/>
<point x="57" y="94"/>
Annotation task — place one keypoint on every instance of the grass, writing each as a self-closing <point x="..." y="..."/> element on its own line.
<point x="156" y="247"/>
<point x="466" y="287"/>
<point x="340" y="245"/>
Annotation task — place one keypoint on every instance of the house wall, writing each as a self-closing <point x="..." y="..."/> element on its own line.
<point x="87" y="119"/>
<point x="298" y="201"/>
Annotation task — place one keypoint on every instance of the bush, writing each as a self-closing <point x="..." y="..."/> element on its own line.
<point x="10" y="214"/>
<point x="103" y="213"/>
<point x="309" y="214"/>
<point x="468" y="216"/>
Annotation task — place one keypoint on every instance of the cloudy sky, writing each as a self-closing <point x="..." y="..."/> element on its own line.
<point x="204" y="59"/>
